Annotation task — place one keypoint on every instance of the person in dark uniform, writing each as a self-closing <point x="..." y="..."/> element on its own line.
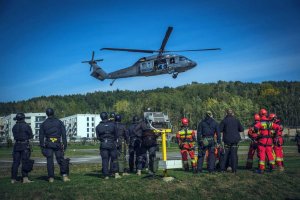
<point x="297" y="139"/>
<point x="123" y="140"/>
<point x="112" y="116"/>
<point x="135" y="140"/>
<point x="148" y="145"/>
<point x="53" y="141"/>
<point x="207" y="129"/>
<point x="231" y="128"/>
<point x="107" y="134"/>
<point x="21" y="152"/>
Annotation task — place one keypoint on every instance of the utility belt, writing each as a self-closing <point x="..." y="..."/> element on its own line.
<point x="206" y="140"/>
<point x="53" y="140"/>
<point x="265" y="136"/>
<point x="265" y="145"/>
<point x="227" y="146"/>
<point x="22" y="141"/>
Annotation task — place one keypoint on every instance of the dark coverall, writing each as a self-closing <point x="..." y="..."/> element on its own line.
<point x="231" y="128"/>
<point x="123" y="140"/>
<point x="297" y="139"/>
<point x="21" y="152"/>
<point x="149" y="144"/>
<point x="107" y="135"/>
<point x="135" y="141"/>
<point x="207" y="128"/>
<point x="53" y="140"/>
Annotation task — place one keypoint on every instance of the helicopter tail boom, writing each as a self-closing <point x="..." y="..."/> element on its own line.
<point x="99" y="73"/>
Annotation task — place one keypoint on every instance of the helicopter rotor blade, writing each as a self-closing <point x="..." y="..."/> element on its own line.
<point x="99" y="60"/>
<point x="211" y="49"/>
<point x="130" y="50"/>
<point x="93" y="54"/>
<point x="166" y="38"/>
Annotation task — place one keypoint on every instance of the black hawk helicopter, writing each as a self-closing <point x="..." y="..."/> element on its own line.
<point x="162" y="63"/>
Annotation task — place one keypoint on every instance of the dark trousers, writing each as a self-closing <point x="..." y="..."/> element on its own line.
<point x="230" y="156"/>
<point x="211" y="157"/>
<point x="59" y="154"/>
<point x="142" y="158"/>
<point x="133" y="157"/>
<point x="122" y="150"/>
<point x="22" y="153"/>
<point x="109" y="155"/>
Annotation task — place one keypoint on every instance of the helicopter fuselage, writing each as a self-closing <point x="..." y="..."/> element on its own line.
<point x="152" y="65"/>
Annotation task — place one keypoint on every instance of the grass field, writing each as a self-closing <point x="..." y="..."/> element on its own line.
<point x="87" y="183"/>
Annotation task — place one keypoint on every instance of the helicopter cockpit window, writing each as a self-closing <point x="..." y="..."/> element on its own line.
<point x="172" y="60"/>
<point x="182" y="58"/>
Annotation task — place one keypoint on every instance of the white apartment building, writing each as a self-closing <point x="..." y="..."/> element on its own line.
<point x="33" y="119"/>
<point x="81" y="125"/>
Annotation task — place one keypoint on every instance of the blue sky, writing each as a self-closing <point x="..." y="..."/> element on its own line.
<point x="42" y="43"/>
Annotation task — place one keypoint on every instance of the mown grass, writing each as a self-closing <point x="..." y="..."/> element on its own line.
<point x="87" y="183"/>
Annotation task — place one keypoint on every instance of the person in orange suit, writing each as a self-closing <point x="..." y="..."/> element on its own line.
<point x="186" y="141"/>
<point x="264" y="128"/>
<point x="277" y="142"/>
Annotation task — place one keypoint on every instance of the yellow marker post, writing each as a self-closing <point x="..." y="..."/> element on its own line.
<point x="164" y="146"/>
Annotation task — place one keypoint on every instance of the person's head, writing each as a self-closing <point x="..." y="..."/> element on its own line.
<point x="229" y="112"/>
<point x="185" y="122"/>
<point x="209" y="113"/>
<point x="272" y="116"/>
<point x="19" y="117"/>
<point x="118" y="118"/>
<point x="104" y="116"/>
<point x="263" y="112"/>
<point x="112" y="115"/>
<point x="256" y="117"/>
<point x="49" y="112"/>
<point x="135" y="118"/>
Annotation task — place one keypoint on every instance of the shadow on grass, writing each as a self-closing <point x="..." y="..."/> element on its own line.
<point x="96" y="175"/>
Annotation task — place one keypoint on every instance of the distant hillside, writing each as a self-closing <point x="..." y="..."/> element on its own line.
<point x="282" y="98"/>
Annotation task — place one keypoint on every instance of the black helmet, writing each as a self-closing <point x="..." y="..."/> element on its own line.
<point x="49" y="112"/>
<point x="135" y="118"/>
<point x="104" y="116"/>
<point x="118" y="118"/>
<point x="112" y="115"/>
<point x="19" y="116"/>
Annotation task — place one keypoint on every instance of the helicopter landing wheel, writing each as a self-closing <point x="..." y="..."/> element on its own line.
<point x="175" y="75"/>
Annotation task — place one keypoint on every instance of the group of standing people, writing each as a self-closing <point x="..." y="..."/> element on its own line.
<point x="53" y="141"/>
<point x="266" y="135"/>
<point x="139" y="140"/>
<point x="209" y="143"/>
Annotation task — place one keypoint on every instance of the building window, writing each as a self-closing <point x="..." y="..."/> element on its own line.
<point x="93" y="129"/>
<point x="93" y="135"/>
<point x="87" y="124"/>
<point x="87" y="119"/>
<point x="37" y="125"/>
<point x="37" y="131"/>
<point x="40" y="118"/>
<point x="87" y="130"/>
<point x="93" y="124"/>
<point x="87" y="135"/>
<point x="93" y="119"/>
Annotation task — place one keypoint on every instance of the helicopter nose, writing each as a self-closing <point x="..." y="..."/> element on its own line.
<point x="192" y="64"/>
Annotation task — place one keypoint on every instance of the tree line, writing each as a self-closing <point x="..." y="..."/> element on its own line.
<point x="191" y="100"/>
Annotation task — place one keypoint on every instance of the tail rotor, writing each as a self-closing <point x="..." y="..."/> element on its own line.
<point x="92" y="61"/>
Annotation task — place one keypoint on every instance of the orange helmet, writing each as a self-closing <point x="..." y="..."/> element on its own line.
<point x="272" y="116"/>
<point x="256" y="117"/>
<point x="263" y="112"/>
<point x="185" y="121"/>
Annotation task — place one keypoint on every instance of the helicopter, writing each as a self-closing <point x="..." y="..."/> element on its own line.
<point x="164" y="62"/>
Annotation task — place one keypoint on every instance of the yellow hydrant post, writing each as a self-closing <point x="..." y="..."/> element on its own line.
<point x="164" y="147"/>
